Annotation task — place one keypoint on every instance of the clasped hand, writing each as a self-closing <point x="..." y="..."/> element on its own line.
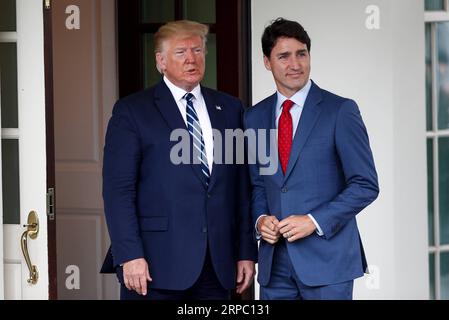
<point x="293" y="228"/>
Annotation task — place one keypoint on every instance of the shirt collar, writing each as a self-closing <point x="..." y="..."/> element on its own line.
<point x="299" y="98"/>
<point x="179" y="93"/>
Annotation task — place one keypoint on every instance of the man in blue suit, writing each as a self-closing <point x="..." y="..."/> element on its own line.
<point x="178" y="231"/>
<point x="305" y="212"/>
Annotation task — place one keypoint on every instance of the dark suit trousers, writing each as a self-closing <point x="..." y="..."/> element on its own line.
<point x="207" y="287"/>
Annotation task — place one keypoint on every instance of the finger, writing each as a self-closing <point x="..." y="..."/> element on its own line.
<point x="269" y="230"/>
<point x="295" y="236"/>
<point x="127" y="285"/>
<point x="239" y="275"/>
<point x="266" y="236"/>
<point x="285" y="229"/>
<point x="137" y="287"/>
<point x="283" y="223"/>
<point x="130" y="283"/>
<point x="148" y="276"/>
<point x="143" y="285"/>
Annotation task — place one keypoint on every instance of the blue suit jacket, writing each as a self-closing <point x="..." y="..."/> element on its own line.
<point x="166" y="212"/>
<point x="330" y="175"/>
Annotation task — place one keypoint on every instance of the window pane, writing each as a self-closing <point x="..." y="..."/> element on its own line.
<point x="443" y="74"/>
<point x="157" y="11"/>
<point x="432" y="275"/>
<point x="8" y="87"/>
<point x="443" y="162"/>
<point x="151" y="75"/>
<point x="434" y="5"/>
<point x="8" y="15"/>
<point x="444" y="281"/>
<point x="429" y="112"/>
<point x="10" y="182"/>
<point x="430" y="197"/>
<point x="210" y="76"/>
<point x="200" y="10"/>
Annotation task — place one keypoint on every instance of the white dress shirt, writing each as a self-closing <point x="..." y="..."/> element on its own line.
<point x="299" y="99"/>
<point x="201" y="111"/>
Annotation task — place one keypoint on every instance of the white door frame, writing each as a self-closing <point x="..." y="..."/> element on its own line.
<point x="32" y="155"/>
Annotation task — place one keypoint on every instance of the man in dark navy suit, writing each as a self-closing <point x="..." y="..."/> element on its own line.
<point x="178" y="231"/>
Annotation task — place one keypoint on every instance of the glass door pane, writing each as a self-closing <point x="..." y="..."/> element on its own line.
<point x="157" y="11"/>
<point x="7" y="15"/>
<point x="443" y="156"/>
<point x="434" y="5"/>
<point x="8" y="86"/>
<point x="430" y="194"/>
<point x="200" y="10"/>
<point x="442" y="46"/>
<point x="10" y="181"/>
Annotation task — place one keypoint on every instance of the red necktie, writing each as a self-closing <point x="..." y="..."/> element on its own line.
<point x="285" y="134"/>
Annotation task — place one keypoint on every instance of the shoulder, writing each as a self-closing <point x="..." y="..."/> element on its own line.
<point x="224" y="99"/>
<point x="136" y="102"/>
<point x="261" y="107"/>
<point x="338" y="103"/>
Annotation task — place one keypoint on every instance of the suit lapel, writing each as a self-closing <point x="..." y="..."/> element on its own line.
<point x="169" y="110"/>
<point x="269" y="117"/>
<point x="167" y="106"/>
<point x="218" y="122"/>
<point x="307" y="121"/>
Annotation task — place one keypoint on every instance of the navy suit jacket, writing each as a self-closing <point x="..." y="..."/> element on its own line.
<point x="330" y="175"/>
<point x="164" y="212"/>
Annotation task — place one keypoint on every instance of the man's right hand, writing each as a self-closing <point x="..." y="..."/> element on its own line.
<point x="136" y="274"/>
<point x="268" y="229"/>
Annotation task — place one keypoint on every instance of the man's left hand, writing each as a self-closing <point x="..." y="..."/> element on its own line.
<point x="245" y="274"/>
<point x="296" y="227"/>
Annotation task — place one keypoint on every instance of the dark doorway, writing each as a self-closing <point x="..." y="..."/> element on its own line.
<point x="228" y="58"/>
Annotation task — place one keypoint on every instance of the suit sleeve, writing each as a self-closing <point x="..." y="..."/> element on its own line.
<point x="259" y="204"/>
<point x="122" y="154"/>
<point x="247" y="242"/>
<point x="357" y="162"/>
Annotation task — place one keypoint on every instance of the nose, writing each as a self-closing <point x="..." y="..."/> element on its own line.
<point x="294" y="63"/>
<point x="190" y="56"/>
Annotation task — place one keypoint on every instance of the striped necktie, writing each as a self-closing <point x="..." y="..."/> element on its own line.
<point x="193" y="125"/>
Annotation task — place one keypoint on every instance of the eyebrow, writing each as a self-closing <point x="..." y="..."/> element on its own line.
<point x="286" y="53"/>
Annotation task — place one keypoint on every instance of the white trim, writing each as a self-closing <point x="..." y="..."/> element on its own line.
<point x="10" y="133"/>
<point x="2" y="282"/>
<point x="8" y="36"/>
<point x="437" y="133"/>
<point x="443" y="248"/>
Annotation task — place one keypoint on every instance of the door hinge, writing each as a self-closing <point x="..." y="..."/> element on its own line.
<point x="47" y="4"/>
<point x="51" y="203"/>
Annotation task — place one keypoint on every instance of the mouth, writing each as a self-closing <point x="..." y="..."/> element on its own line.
<point x="191" y="71"/>
<point x="295" y="75"/>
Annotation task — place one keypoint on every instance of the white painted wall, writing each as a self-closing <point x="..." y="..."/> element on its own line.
<point x="383" y="70"/>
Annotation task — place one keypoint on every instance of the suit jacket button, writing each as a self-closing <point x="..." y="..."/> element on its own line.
<point x="208" y="195"/>
<point x="204" y="229"/>
<point x="284" y="190"/>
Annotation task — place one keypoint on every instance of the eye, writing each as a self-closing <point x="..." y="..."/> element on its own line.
<point x="198" y="50"/>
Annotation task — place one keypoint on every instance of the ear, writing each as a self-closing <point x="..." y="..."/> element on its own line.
<point x="160" y="62"/>
<point x="266" y="62"/>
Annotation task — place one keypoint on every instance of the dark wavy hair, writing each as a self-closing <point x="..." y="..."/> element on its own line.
<point x="283" y="28"/>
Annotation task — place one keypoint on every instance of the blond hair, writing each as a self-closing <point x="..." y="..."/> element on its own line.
<point x="180" y="28"/>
